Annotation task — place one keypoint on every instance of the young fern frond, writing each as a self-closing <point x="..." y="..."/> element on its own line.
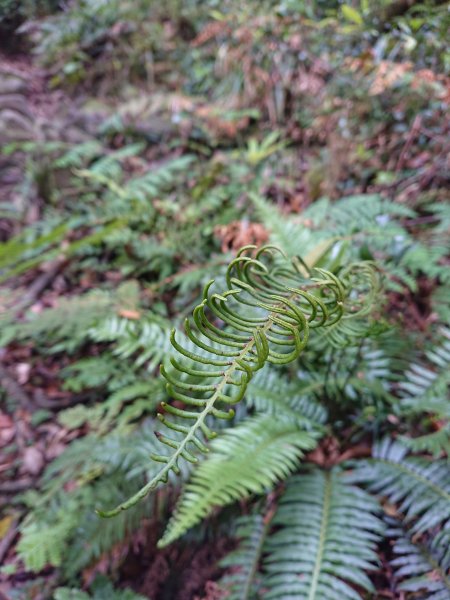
<point x="326" y="540"/>
<point x="419" y="486"/>
<point x="248" y="459"/>
<point x="265" y="316"/>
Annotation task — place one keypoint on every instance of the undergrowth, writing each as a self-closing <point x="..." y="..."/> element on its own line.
<point x="229" y="281"/>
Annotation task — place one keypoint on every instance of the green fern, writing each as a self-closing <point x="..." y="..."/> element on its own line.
<point x="420" y="567"/>
<point x="435" y="443"/>
<point x="423" y="389"/>
<point x="100" y="590"/>
<point x="275" y="329"/>
<point x="272" y="393"/>
<point x="79" y="155"/>
<point x="419" y="486"/>
<point x="42" y="545"/>
<point x="286" y="233"/>
<point x="61" y="528"/>
<point x="373" y="226"/>
<point x="146" y="340"/>
<point x="326" y="540"/>
<point x="247" y="459"/>
<point x="243" y="582"/>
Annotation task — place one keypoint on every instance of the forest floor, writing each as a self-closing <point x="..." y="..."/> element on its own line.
<point x="392" y="140"/>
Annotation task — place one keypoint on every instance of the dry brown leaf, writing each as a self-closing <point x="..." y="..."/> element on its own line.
<point x="388" y="74"/>
<point x="126" y="313"/>
<point x="240" y="233"/>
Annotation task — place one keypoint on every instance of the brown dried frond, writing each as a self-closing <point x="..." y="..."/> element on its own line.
<point x="240" y="233"/>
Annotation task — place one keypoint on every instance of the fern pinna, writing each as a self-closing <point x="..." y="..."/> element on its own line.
<point x="264" y="316"/>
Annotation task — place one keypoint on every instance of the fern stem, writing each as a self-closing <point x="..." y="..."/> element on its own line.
<point x="322" y="537"/>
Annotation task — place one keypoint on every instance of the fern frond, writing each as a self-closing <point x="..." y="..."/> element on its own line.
<point x="419" y="486"/>
<point x="79" y="155"/>
<point x="40" y="545"/>
<point x="421" y="567"/>
<point x="435" y="443"/>
<point x="424" y="389"/>
<point x="274" y="328"/>
<point x="61" y="529"/>
<point x="247" y="459"/>
<point x="326" y="541"/>
<point x="286" y="233"/>
<point x="101" y="589"/>
<point x="269" y="392"/>
<point x="425" y="386"/>
<point x="154" y="182"/>
<point x="244" y="580"/>
<point x="147" y="338"/>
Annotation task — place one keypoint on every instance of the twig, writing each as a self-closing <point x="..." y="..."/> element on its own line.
<point x="8" y="539"/>
<point x="41" y="400"/>
<point x="41" y="283"/>
<point x="12" y="487"/>
<point x="14" y="389"/>
<point x="415" y="129"/>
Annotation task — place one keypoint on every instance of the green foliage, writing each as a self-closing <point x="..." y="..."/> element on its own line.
<point x="17" y="10"/>
<point x="243" y="582"/>
<point x="420" y="567"/>
<point x="420" y="486"/>
<point x="100" y="589"/>
<point x="326" y="539"/>
<point x="73" y="38"/>
<point x="62" y="529"/>
<point x="192" y="121"/>
<point x="424" y="390"/>
<point x="274" y="329"/>
<point x="271" y="393"/>
<point x="248" y="459"/>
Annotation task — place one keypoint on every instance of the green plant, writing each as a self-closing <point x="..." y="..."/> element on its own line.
<point x="186" y="130"/>
<point x="280" y="309"/>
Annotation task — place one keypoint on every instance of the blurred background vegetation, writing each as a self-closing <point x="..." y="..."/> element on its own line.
<point x="141" y="144"/>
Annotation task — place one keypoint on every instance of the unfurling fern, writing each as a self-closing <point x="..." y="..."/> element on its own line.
<point x="265" y="316"/>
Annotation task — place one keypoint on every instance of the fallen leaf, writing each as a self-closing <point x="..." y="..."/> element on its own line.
<point x="5" y="524"/>
<point x="33" y="461"/>
<point x="23" y="372"/>
<point x="133" y="315"/>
